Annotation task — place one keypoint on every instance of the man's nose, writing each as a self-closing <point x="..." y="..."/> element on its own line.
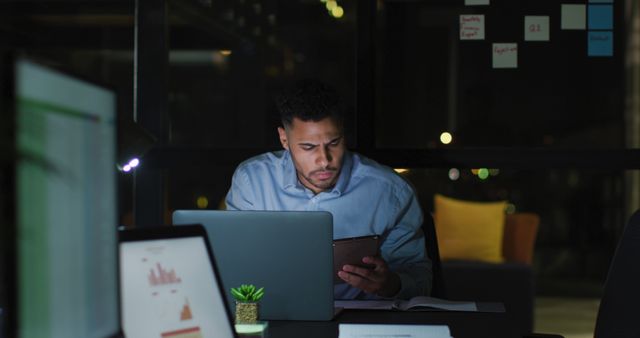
<point x="324" y="157"/>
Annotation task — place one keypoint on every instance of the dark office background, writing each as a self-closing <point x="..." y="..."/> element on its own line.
<point x="200" y="75"/>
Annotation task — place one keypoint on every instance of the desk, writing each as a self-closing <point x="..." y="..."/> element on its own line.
<point x="461" y="324"/>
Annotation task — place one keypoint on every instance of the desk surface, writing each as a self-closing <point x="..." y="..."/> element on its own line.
<point x="461" y="324"/>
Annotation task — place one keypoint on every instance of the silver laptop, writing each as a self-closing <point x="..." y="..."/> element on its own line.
<point x="169" y="287"/>
<point x="289" y="253"/>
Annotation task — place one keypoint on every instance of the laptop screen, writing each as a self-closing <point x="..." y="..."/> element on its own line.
<point x="288" y="253"/>
<point x="169" y="290"/>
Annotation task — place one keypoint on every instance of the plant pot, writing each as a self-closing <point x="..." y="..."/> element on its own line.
<point x="247" y="312"/>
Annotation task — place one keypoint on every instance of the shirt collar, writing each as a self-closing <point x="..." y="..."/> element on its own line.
<point x="290" y="177"/>
<point x="345" y="174"/>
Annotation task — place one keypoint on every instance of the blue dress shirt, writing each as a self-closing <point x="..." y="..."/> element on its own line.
<point x="368" y="199"/>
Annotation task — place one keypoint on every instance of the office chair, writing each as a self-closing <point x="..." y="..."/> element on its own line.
<point x="618" y="314"/>
<point x="431" y="243"/>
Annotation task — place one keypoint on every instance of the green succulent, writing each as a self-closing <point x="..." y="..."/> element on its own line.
<point x="247" y="293"/>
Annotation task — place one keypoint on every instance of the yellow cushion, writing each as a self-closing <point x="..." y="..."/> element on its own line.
<point x="469" y="230"/>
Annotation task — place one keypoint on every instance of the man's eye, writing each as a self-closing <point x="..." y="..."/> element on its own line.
<point x="307" y="147"/>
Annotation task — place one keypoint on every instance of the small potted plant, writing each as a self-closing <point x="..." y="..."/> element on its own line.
<point x="247" y="297"/>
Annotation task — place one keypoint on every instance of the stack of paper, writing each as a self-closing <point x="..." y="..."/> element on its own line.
<point x="393" y="331"/>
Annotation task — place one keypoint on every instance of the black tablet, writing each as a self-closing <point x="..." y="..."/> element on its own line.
<point x="351" y="251"/>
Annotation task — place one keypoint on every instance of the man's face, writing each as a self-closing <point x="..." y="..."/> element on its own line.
<point x="316" y="149"/>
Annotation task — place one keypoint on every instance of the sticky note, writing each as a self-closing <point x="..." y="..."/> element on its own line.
<point x="601" y="1"/>
<point x="600" y="17"/>
<point x="573" y="16"/>
<point x="476" y="2"/>
<point x="505" y="55"/>
<point x="600" y="43"/>
<point x="472" y="27"/>
<point x="536" y="28"/>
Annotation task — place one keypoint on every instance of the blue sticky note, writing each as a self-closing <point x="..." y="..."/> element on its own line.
<point x="600" y="44"/>
<point x="601" y="1"/>
<point x="600" y="17"/>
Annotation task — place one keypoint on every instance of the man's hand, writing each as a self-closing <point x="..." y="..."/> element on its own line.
<point x="378" y="280"/>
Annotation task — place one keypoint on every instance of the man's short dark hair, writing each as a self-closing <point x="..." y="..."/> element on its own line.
<point x="310" y="100"/>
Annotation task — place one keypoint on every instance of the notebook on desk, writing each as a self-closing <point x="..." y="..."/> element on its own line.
<point x="288" y="253"/>
<point x="169" y="285"/>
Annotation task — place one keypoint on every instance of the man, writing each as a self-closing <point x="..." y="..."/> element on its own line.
<point x="315" y="172"/>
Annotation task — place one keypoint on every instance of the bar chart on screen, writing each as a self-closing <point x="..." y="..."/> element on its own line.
<point x="169" y="297"/>
<point x="163" y="276"/>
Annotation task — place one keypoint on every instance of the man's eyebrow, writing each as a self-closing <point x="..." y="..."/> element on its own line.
<point x="306" y="143"/>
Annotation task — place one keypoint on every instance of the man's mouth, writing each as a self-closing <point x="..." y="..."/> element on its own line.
<point x="324" y="175"/>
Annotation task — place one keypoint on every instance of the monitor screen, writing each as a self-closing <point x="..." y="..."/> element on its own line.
<point x="169" y="290"/>
<point x="65" y="205"/>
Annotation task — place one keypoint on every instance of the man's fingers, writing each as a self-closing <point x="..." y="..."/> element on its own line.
<point x="364" y="272"/>
<point x="376" y="280"/>
<point x="358" y="281"/>
<point x="379" y="264"/>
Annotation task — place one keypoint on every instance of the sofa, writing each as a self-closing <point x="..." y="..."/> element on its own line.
<point x="507" y="279"/>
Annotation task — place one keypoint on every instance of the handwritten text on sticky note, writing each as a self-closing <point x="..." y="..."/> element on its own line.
<point x="505" y="55"/>
<point x="536" y="28"/>
<point x="471" y="27"/>
<point x="600" y="43"/>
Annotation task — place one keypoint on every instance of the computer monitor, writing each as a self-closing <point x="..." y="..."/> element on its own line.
<point x="169" y="285"/>
<point x="64" y="268"/>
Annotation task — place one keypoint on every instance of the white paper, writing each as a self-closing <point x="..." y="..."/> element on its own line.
<point x="536" y="28"/>
<point x="505" y="55"/>
<point x="573" y="17"/>
<point x="476" y="2"/>
<point x="393" y="331"/>
<point x="472" y="27"/>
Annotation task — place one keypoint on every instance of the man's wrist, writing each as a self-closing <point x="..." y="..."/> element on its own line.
<point x="392" y="287"/>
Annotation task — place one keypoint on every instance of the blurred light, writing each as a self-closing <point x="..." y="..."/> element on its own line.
<point x="401" y="170"/>
<point x="446" y="138"/>
<point x="474" y="171"/>
<point x="510" y="209"/>
<point x="337" y="12"/>
<point x="331" y="4"/>
<point x="134" y="162"/>
<point x="483" y="173"/>
<point x="323" y="1"/>
<point x="225" y="52"/>
<point x="126" y="168"/>
<point x="454" y="174"/>
<point x="202" y="202"/>
<point x="494" y="172"/>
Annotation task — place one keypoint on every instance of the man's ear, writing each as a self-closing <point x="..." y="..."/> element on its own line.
<point x="283" y="138"/>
